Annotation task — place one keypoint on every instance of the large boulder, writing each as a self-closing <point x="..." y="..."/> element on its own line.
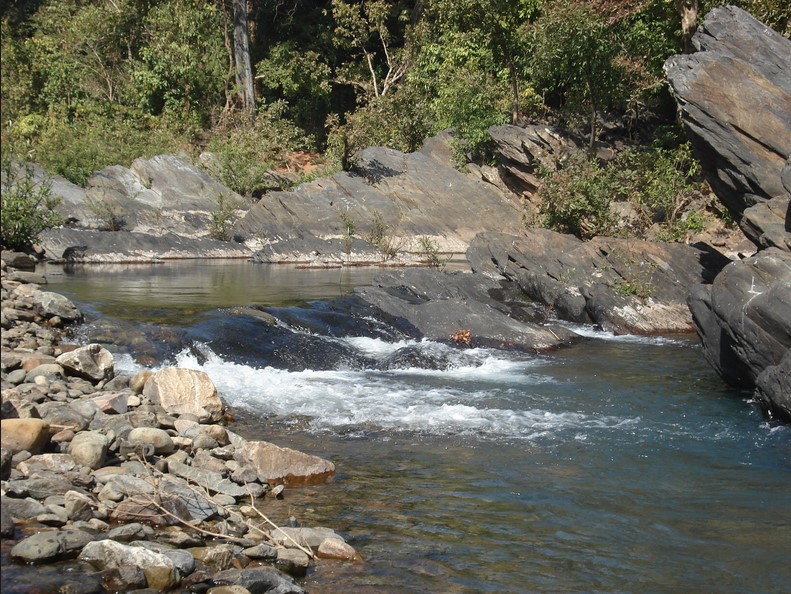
<point x="92" y="362"/>
<point x="159" y="569"/>
<point x="744" y="320"/>
<point x="278" y="465"/>
<point x="19" y="435"/>
<point x="734" y="100"/>
<point x="185" y="391"/>
<point x="459" y="307"/>
<point x="625" y="286"/>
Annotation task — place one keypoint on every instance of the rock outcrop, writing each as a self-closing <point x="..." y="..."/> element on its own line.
<point x="734" y="100"/>
<point x="625" y="286"/>
<point x="411" y="197"/>
<point x="744" y="320"/>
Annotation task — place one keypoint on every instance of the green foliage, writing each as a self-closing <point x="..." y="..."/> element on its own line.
<point x="222" y="218"/>
<point x="349" y="229"/>
<point x="245" y="152"/>
<point x="576" y="199"/>
<point x="382" y="238"/>
<point x="183" y="65"/>
<point x="28" y="207"/>
<point x="300" y="78"/>
<point x="575" y="59"/>
<point x="429" y="249"/>
<point x="94" y="140"/>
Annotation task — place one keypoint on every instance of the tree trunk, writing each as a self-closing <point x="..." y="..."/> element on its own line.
<point x="514" y="91"/>
<point x="241" y="51"/>
<point x="688" y="9"/>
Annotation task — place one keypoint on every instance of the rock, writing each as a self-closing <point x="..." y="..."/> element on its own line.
<point x="261" y="551"/>
<point x="525" y="151"/>
<point x="260" y="580"/>
<point x="182" y="560"/>
<point x="303" y="537"/>
<point x="5" y="462"/>
<point x="181" y="391"/>
<point x="121" y="486"/>
<point x="149" y="510"/>
<point x="61" y="463"/>
<point x="769" y="223"/>
<point x="275" y="464"/>
<point x="19" y="260"/>
<point x="139" y="380"/>
<point x="92" y="362"/>
<point x="217" y="557"/>
<point x="210" y="480"/>
<point x="626" y="286"/>
<point x="124" y="579"/>
<point x="78" y="506"/>
<point x="773" y="388"/>
<point x="198" y="507"/>
<point x="89" y="448"/>
<point x="19" y="435"/>
<point x="228" y="590"/>
<point x="734" y="100"/>
<point x="128" y="532"/>
<point x="436" y="305"/>
<point x="6" y="523"/>
<point x="292" y="561"/>
<point x="158" y="438"/>
<point x="44" y="484"/>
<point x="47" y="371"/>
<point x="744" y="322"/>
<point x="112" y="402"/>
<point x="24" y="509"/>
<point x="46" y="546"/>
<point x="159" y="570"/>
<point x="414" y="194"/>
<point x="336" y="548"/>
<point x="52" y="305"/>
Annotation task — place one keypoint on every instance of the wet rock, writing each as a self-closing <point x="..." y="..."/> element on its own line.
<point x="6" y="522"/>
<point x="336" y="548"/>
<point x="89" y="448"/>
<point x="293" y="562"/>
<point x="261" y="579"/>
<point x="45" y="546"/>
<point x="124" y="578"/>
<point x="275" y="464"/>
<point x="181" y="391"/>
<point x="92" y="362"/>
<point x="159" y="570"/>
<point x="773" y="387"/>
<point x="19" y="435"/>
<point x="304" y="537"/>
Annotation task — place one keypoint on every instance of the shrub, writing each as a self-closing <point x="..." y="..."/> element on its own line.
<point x="222" y="219"/>
<point x="27" y="206"/>
<point x="576" y="199"/>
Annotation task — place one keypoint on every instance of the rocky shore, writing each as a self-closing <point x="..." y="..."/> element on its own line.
<point x="139" y="480"/>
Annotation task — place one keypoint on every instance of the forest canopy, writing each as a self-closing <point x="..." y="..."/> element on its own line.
<point x="89" y="83"/>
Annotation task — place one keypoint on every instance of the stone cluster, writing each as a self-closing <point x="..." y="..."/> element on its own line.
<point x="139" y="476"/>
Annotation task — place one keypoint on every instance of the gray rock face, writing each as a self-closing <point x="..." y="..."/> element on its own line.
<point x="415" y="195"/>
<point x="734" y="99"/>
<point x="438" y="306"/>
<point x="744" y="321"/>
<point x="625" y="286"/>
<point x="524" y="150"/>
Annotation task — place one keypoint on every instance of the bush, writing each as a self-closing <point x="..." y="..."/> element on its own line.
<point x="246" y="151"/>
<point x="576" y="199"/>
<point x="27" y="206"/>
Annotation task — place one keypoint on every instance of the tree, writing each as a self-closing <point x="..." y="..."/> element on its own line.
<point x="575" y="57"/>
<point x="241" y="50"/>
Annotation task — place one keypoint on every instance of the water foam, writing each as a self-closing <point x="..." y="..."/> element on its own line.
<point x="483" y="393"/>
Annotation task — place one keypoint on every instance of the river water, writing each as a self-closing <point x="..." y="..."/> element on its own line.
<point x="621" y="464"/>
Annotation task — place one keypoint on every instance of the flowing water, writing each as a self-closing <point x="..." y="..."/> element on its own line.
<point x="621" y="464"/>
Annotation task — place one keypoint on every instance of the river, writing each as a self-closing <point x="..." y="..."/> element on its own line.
<point x="621" y="464"/>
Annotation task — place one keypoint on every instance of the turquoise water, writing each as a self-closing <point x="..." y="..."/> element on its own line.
<point x="617" y="465"/>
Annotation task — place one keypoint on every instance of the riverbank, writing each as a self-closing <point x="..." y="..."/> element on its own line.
<point x="137" y="482"/>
